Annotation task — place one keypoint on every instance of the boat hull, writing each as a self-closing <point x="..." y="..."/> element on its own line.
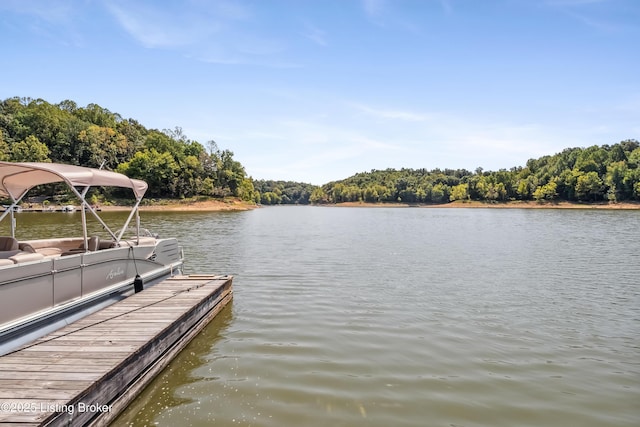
<point x="36" y="295"/>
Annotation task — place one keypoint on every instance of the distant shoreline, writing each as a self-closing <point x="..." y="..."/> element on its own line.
<point x="239" y="205"/>
<point x="189" y="206"/>
<point x="519" y="204"/>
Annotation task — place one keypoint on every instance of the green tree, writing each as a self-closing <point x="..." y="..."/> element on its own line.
<point x="318" y="195"/>
<point x="103" y="144"/>
<point x="616" y="172"/>
<point x="134" y="132"/>
<point x="634" y="158"/>
<point x="159" y="170"/>
<point x="500" y="191"/>
<point x="440" y="193"/>
<point x="459" y="192"/>
<point x="631" y="182"/>
<point x="97" y="115"/>
<point x="589" y="186"/>
<point x="526" y="187"/>
<point x="29" y="150"/>
<point x="230" y="173"/>
<point x="592" y="159"/>
<point x="290" y="192"/>
<point x="617" y="154"/>
<point x="51" y="125"/>
<point x="5" y="153"/>
<point x="245" y="190"/>
<point x="546" y="192"/>
<point x="270" y="198"/>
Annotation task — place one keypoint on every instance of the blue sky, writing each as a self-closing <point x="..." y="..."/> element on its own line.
<point x="318" y="90"/>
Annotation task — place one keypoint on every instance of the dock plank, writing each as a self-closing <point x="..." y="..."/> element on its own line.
<point x="50" y="375"/>
<point x="107" y="357"/>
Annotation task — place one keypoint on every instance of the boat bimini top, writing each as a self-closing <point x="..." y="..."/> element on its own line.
<point x="16" y="179"/>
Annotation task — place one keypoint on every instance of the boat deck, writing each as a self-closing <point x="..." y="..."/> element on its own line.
<point x="87" y="372"/>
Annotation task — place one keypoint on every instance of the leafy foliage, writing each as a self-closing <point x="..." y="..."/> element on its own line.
<point x="176" y="167"/>
<point x="173" y="165"/>
<point x="596" y="173"/>
<point x="283" y="192"/>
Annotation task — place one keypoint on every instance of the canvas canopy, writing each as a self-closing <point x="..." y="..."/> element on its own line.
<point x="18" y="178"/>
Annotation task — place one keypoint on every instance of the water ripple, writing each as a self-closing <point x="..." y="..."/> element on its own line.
<point x="412" y="317"/>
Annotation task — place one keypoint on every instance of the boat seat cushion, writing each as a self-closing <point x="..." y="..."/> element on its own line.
<point x="93" y="244"/>
<point x="8" y="254"/>
<point x="8" y="243"/>
<point x="14" y="257"/>
<point x="49" y="251"/>
<point x="26" y="257"/>
<point x="26" y="247"/>
<point x="106" y="244"/>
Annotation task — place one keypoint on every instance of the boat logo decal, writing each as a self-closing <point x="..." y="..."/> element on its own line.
<point x="115" y="273"/>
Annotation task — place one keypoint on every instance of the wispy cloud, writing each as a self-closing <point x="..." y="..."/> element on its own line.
<point x="313" y="148"/>
<point x="53" y="12"/>
<point x="440" y="136"/>
<point x="315" y="34"/>
<point x="447" y="7"/>
<point x="161" y="28"/>
<point x="332" y="139"/>
<point x="598" y="24"/>
<point x="392" y="15"/>
<point x="573" y="2"/>
<point x="373" y="7"/>
<point x="595" y="14"/>
<point x="322" y="132"/>
<point x="358" y="137"/>
<point x="392" y="114"/>
<point x="228" y="56"/>
<point x="218" y="32"/>
<point x="49" y="20"/>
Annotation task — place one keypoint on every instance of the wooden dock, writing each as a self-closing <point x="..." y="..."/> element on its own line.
<point x="87" y="372"/>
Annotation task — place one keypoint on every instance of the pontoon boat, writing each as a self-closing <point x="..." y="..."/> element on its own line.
<point x="46" y="282"/>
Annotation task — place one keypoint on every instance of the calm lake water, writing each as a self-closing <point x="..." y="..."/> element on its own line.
<point x="407" y="317"/>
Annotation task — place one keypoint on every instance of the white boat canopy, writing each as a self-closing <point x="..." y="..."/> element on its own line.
<point x="18" y="178"/>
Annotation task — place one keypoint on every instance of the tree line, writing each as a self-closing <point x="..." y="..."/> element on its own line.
<point x="33" y="130"/>
<point x="176" y="167"/>
<point x="591" y="174"/>
<point x="283" y="192"/>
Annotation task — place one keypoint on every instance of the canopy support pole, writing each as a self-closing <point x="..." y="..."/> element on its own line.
<point x="9" y="211"/>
